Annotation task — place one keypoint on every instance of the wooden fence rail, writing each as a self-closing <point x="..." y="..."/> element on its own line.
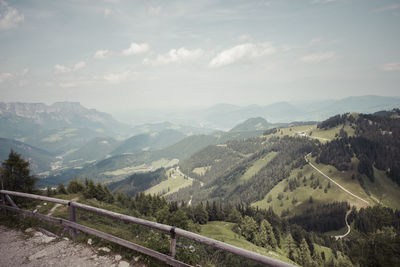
<point x="169" y="259"/>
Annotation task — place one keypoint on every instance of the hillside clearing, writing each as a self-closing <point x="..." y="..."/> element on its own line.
<point x="174" y="182"/>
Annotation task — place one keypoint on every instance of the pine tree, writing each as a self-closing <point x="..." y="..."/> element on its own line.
<point x="304" y="257"/>
<point x="16" y="175"/>
<point x="61" y="189"/>
<point x="265" y="236"/>
<point x="234" y="216"/>
<point x="291" y="245"/>
<point x="248" y="228"/>
<point x="75" y="186"/>
<point x="90" y="189"/>
<point x="200" y="214"/>
<point x="316" y="260"/>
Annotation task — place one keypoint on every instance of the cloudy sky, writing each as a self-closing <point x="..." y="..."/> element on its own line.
<point x="117" y="55"/>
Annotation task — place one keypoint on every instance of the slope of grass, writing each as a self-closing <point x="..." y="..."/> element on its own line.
<point x="201" y="170"/>
<point x="58" y="136"/>
<point x="174" y="182"/>
<point x="344" y="178"/>
<point x="292" y="131"/>
<point x="384" y="190"/>
<point x="303" y="193"/>
<point x="333" y="132"/>
<point x="257" y="166"/>
<point x="313" y="132"/>
<point x="222" y="231"/>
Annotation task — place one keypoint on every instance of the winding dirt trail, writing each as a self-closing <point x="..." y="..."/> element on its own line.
<point x="56" y="206"/>
<point x="344" y="189"/>
<point x="348" y="227"/>
<point x="333" y="181"/>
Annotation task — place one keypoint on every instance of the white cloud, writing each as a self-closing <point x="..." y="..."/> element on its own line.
<point x="79" y="65"/>
<point x="9" y="16"/>
<point x="316" y="40"/>
<point x="155" y="10"/>
<point x="5" y="76"/>
<point x="175" y="56"/>
<point x="67" y="85"/>
<point x="394" y="66"/>
<point x="119" y="77"/>
<point x="101" y="54"/>
<point x="242" y="52"/>
<point x="107" y="12"/>
<point x="136" y="49"/>
<point x="59" y="69"/>
<point x="318" y="57"/>
<point x="387" y="8"/>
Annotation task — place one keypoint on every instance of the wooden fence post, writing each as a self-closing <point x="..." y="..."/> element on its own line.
<point x="3" y="200"/>
<point x="12" y="203"/>
<point x="173" y="242"/>
<point x="72" y="217"/>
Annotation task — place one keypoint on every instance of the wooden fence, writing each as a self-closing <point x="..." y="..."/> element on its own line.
<point x="174" y="232"/>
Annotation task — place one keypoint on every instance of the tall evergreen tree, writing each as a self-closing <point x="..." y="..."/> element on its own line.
<point x="16" y="175"/>
<point x="304" y="257"/>
<point x="265" y="236"/>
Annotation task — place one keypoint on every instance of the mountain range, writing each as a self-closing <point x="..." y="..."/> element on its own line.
<point x="67" y="139"/>
<point x="226" y="116"/>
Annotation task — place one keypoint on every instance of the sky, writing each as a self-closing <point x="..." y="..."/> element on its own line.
<point x="117" y="55"/>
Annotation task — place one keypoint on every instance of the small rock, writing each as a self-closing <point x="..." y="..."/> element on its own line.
<point x="90" y="241"/>
<point x="104" y="249"/>
<point x="123" y="264"/>
<point x="38" y="255"/>
<point x="136" y="259"/>
<point x="45" y="204"/>
<point x="66" y="238"/>
<point x="41" y="238"/>
<point x="118" y="257"/>
<point x="30" y="229"/>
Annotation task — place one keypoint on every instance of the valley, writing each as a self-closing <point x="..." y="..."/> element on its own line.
<point x="267" y="187"/>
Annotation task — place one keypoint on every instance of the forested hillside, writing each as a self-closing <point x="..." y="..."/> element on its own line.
<point x="289" y="193"/>
<point x="376" y="144"/>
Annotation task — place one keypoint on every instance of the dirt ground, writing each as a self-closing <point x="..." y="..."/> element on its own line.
<point x="33" y="248"/>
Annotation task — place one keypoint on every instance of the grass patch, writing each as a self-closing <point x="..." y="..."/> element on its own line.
<point x="60" y="135"/>
<point x="297" y="201"/>
<point x="174" y="182"/>
<point x="257" y="166"/>
<point x="222" y="231"/>
<point x="384" y="191"/>
<point x="142" y="168"/>
<point x="201" y="170"/>
<point x="128" y="170"/>
<point x="314" y="132"/>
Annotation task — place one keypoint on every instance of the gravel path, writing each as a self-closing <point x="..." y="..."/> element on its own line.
<point x="348" y="227"/>
<point x="32" y="248"/>
<point x="333" y="181"/>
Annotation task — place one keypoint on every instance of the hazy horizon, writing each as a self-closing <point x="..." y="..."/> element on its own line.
<point x="119" y="56"/>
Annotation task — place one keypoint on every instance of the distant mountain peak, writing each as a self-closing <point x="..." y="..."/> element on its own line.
<point x="252" y="124"/>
